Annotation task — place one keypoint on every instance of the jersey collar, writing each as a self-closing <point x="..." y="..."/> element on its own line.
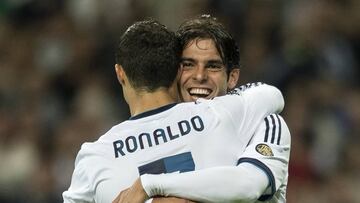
<point x="153" y="111"/>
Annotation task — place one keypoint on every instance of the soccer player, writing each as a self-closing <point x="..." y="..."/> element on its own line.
<point x="210" y="62"/>
<point x="164" y="136"/>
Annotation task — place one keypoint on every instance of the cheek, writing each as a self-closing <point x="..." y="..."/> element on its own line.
<point x="222" y="85"/>
<point x="181" y="83"/>
<point x="183" y="78"/>
<point x="221" y="80"/>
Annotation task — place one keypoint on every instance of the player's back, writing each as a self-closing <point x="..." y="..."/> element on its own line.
<point x="173" y="138"/>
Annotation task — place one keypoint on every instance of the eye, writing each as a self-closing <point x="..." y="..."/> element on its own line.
<point x="187" y="65"/>
<point x="215" y="67"/>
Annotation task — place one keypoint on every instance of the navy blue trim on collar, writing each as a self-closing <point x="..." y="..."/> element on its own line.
<point x="268" y="173"/>
<point x="153" y="111"/>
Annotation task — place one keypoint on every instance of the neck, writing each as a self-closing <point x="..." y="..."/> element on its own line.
<point x="145" y="101"/>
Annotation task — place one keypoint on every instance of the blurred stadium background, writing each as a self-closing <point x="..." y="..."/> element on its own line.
<point x="58" y="87"/>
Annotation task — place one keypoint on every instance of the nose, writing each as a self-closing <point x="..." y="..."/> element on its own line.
<point x="200" y="74"/>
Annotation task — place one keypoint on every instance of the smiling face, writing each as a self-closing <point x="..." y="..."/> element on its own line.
<point x="204" y="73"/>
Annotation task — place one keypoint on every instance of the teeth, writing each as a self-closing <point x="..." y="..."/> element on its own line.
<point x="199" y="91"/>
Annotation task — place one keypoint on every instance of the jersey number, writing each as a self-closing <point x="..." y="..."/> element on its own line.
<point x="180" y="162"/>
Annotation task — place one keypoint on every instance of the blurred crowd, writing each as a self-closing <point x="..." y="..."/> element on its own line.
<point x="58" y="88"/>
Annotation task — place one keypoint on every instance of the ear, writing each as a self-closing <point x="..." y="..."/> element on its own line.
<point x="233" y="78"/>
<point x="120" y="74"/>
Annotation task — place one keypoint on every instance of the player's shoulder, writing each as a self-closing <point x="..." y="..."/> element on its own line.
<point x="250" y="91"/>
<point x="245" y="93"/>
<point x="92" y="153"/>
<point x="88" y="149"/>
<point x="242" y="88"/>
<point x="256" y="89"/>
<point x="97" y="148"/>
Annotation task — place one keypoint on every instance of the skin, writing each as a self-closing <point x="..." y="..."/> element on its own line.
<point x="204" y="73"/>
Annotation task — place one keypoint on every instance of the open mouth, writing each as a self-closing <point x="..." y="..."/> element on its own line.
<point x="199" y="92"/>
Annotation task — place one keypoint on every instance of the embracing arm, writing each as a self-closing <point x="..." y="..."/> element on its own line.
<point x="245" y="182"/>
<point x="261" y="170"/>
<point x="261" y="96"/>
<point x="196" y="186"/>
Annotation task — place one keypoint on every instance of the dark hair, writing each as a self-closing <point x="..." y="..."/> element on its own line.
<point x="149" y="54"/>
<point x="207" y="27"/>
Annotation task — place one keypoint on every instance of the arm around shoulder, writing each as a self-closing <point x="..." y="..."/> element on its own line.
<point x="260" y="98"/>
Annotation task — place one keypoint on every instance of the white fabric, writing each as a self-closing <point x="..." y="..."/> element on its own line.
<point x="209" y="133"/>
<point x="246" y="182"/>
<point x="223" y="184"/>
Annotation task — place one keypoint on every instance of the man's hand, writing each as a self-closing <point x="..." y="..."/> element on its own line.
<point x="137" y="194"/>
<point x="134" y="194"/>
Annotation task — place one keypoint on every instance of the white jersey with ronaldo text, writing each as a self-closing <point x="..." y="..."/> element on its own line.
<point x="178" y="137"/>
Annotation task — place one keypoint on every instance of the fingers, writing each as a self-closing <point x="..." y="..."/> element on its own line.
<point x="120" y="198"/>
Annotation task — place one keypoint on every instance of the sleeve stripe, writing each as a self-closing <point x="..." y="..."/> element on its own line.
<point x="268" y="173"/>
<point x="273" y="129"/>
<point x="279" y="133"/>
<point x="267" y="129"/>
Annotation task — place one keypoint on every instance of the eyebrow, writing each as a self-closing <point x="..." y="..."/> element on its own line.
<point x="215" y="62"/>
<point x="207" y="62"/>
<point x="187" y="59"/>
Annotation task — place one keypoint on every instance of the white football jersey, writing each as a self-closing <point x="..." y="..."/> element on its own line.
<point x="260" y="175"/>
<point x="174" y="138"/>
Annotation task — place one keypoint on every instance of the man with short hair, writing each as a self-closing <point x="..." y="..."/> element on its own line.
<point x="162" y="135"/>
<point x="210" y="59"/>
<point x="210" y="63"/>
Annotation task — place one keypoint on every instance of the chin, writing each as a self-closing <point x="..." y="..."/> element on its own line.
<point x="188" y="99"/>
